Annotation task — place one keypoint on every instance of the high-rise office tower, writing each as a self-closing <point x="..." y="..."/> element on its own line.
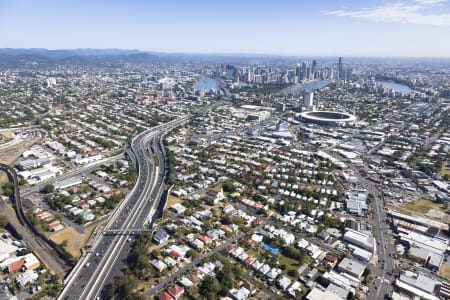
<point x="314" y="69"/>
<point x="341" y="74"/>
<point x="304" y="70"/>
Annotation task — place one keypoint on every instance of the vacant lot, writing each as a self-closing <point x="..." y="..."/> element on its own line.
<point x="75" y="240"/>
<point x="444" y="172"/>
<point x="7" y="133"/>
<point x="3" y="180"/>
<point x="400" y="209"/>
<point x="422" y="206"/>
<point x="445" y="271"/>
<point x="171" y="200"/>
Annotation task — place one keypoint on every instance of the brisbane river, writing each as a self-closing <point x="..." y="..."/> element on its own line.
<point x="206" y="84"/>
<point x="398" y="87"/>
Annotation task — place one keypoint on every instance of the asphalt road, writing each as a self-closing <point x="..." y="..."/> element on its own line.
<point x="30" y="190"/>
<point x="108" y="253"/>
<point x="385" y="249"/>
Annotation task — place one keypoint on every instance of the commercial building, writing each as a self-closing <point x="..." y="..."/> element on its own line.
<point x="416" y="284"/>
<point x="63" y="184"/>
<point x="359" y="239"/>
<point x="330" y="293"/>
<point x="33" y="163"/>
<point x="351" y="267"/>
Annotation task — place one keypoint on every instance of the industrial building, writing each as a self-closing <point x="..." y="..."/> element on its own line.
<point x="416" y="285"/>
<point x="359" y="239"/>
<point x="33" y="163"/>
<point x="351" y="267"/>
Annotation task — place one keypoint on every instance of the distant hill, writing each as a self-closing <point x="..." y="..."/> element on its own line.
<point x="38" y="56"/>
<point x="15" y="57"/>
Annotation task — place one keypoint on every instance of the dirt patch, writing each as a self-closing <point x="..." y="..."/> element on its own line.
<point x="75" y="240"/>
<point x="7" y="133"/>
<point x="3" y="180"/>
<point x="445" y="271"/>
<point x="444" y="172"/>
<point x="422" y="206"/>
<point x="400" y="210"/>
<point x="438" y="214"/>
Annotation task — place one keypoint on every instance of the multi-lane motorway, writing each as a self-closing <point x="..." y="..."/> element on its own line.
<point x="106" y="256"/>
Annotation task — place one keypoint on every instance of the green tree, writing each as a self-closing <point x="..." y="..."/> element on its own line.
<point x="49" y="188"/>
<point x="228" y="187"/>
<point x="293" y="273"/>
<point x="191" y="254"/>
<point x="8" y="188"/>
<point x="210" y="287"/>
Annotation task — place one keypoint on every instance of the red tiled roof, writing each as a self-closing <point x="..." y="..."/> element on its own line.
<point x="230" y="248"/>
<point x="165" y="296"/>
<point x="176" y="290"/>
<point x="204" y="238"/>
<point x="174" y="254"/>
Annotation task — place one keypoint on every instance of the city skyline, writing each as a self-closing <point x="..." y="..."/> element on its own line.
<point x="411" y="28"/>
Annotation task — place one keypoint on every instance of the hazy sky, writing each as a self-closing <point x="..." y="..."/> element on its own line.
<point x="292" y="27"/>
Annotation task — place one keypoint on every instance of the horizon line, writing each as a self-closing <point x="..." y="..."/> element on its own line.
<point x="230" y="53"/>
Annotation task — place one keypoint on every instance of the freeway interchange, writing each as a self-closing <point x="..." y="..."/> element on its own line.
<point x="111" y="246"/>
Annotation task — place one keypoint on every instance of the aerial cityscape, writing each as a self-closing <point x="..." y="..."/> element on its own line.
<point x="229" y="150"/>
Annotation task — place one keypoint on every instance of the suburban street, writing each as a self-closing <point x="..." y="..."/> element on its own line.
<point x="111" y="246"/>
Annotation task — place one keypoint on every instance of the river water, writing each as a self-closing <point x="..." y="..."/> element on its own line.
<point x="398" y="87"/>
<point x="206" y="84"/>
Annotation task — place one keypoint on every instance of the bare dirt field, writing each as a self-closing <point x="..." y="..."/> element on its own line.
<point x="445" y="271"/>
<point x="425" y="208"/>
<point x="7" y="133"/>
<point x="75" y="240"/>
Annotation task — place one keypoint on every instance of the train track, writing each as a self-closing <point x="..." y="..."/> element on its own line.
<point x="46" y="249"/>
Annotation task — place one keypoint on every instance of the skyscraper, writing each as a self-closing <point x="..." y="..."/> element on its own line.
<point x="314" y="69"/>
<point x="341" y="74"/>
<point x="304" y="70"/>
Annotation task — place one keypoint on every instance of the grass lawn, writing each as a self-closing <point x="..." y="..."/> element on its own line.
<point x="75" y="240"/>
<point x="422" y="206"/>
<point x="171" y="200"/>
<point x="400" y="210"/>
<point x="291" y="264"/>
<point x="444" y="172"/>
<point x="445" y="271"/>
